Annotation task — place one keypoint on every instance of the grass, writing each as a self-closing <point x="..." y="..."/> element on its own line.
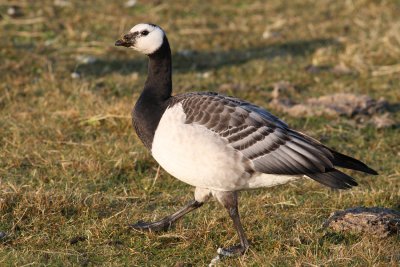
<point x="73" y="174"/>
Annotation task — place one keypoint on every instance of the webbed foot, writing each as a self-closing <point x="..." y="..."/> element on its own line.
<point x="232" y="251"/>
<point x="166" y="223"/>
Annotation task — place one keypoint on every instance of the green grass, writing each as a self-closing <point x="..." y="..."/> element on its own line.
<point x="73" y="174"/>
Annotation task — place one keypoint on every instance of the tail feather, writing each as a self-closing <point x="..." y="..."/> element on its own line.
<point x="334" y="179"/>
<point x="347" y="162"/>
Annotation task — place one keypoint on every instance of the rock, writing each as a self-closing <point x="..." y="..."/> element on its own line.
<point x="375" y="221"/>
<point x="340" y="104"/>
<point x="362" y="109"/>
<point x="347" y="104"/>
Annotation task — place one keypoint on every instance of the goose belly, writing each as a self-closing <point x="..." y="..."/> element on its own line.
<point x="259" y="180"/>
<point x="196" y="155"/>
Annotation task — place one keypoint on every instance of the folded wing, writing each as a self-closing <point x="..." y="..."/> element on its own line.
<point x="267" y="141"/>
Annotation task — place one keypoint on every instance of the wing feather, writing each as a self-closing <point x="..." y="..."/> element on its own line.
<point x="267" y="141"/>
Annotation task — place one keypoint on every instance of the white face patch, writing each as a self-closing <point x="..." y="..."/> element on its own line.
<point x="149" y="38"/>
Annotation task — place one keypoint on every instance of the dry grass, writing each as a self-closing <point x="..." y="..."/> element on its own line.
<point x="73" y="174"/>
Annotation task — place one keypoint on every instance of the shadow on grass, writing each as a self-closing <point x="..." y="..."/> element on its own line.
<point x="203" y="61"/>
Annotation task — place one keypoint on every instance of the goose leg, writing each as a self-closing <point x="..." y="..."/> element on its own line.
<point x="165" y="223"/>
<point x="201" y="195"/>
<point x="230" y="202"/>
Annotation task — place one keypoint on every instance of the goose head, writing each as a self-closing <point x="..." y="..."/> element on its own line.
<point x="145" y="38"/>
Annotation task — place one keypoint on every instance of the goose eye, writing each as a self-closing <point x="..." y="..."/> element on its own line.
<point x="145" y="32"/>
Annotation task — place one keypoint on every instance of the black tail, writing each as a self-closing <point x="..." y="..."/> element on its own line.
<point x="334" y="178"/>
<point x="347" y="162"/>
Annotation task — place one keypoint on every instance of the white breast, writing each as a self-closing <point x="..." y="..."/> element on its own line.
<point x="195" y="155"/>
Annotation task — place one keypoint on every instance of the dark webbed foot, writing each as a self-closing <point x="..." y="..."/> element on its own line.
<point x="165" y="223"/>
<point x="232" y="251"/>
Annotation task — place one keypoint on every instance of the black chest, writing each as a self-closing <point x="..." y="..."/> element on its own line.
<point x="145" y="117"/>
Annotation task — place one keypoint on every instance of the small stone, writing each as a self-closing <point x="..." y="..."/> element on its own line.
<point x="15" y="11"/>
<point x="75" y="75"/>
<point x="130" y="3"/>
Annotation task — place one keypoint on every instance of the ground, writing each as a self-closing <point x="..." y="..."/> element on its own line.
<point x="73" y="174"/>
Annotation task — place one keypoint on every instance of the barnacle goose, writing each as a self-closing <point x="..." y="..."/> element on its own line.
<point x="221" y="144"/>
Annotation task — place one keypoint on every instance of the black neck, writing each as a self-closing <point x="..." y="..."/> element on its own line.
<point x="155" y="96"/>
<point x="159" y="77"/>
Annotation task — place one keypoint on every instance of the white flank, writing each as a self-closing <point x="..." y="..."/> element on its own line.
<point x="195" y="155"/>
<point x="148" y="44"/>
<point x="268" y="180"/>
